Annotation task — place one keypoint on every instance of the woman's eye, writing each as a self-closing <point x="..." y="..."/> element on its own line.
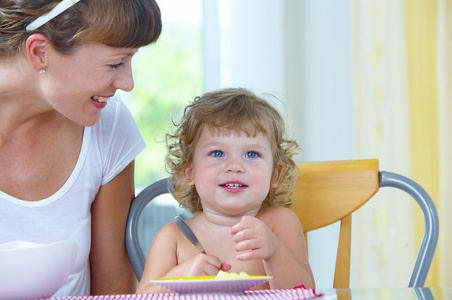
<point x="117" y="66"/>
<point x="216" y="153"/>
<point x="252" y="154"/>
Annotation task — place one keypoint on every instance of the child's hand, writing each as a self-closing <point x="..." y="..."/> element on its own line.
<point x="202" y="265"/>
<point x="254" y="239"/>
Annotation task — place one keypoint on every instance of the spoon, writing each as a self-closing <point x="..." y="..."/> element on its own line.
<point x="186" y="230"/>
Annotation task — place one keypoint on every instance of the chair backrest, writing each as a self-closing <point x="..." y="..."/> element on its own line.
<point x="133" y="247"/>
<point x="327" y="192"/>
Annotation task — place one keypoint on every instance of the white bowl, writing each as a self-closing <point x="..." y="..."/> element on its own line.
<point x="30" y="270"/>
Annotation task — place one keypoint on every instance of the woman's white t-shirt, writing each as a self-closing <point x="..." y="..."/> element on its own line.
<point x="107" y="148"/>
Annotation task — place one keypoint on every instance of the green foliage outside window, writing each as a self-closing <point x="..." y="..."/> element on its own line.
<point x="167" y="75"/>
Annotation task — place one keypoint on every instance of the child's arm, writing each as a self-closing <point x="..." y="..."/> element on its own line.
<point x="163" y="260"/>
<point x="281" y="247"/>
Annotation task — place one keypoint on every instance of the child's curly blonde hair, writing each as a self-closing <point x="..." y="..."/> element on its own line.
<point x="230" y="110"/>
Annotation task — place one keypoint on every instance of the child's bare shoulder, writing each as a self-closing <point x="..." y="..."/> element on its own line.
<point x="169" y="230"/>
<point x="277" y="214"/>
<point x="275" y="210"/>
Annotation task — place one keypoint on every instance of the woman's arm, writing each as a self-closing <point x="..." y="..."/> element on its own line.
<point x="111" y="270"/>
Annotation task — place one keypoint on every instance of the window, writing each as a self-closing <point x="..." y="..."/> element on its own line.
<point x="167" y="74"/>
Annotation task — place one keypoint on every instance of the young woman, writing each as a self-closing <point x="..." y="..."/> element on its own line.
<point x="67" y="142"/>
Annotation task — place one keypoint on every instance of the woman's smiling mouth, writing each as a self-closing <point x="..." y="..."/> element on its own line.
<point x="99" y="101"/>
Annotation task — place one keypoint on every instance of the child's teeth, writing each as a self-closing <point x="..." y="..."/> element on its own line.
<point x="234" y="185"/>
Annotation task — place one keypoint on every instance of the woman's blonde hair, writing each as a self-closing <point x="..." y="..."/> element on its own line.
<point x="230" y="110"/>
<point x="115" y="23"/>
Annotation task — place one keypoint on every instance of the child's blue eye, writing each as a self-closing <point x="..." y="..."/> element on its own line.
<point x="217" y="153"/>
<point x="117" y="66"/>
<point x="252" y="154"/>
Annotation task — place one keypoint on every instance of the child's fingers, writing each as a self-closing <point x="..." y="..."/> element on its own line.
<point x="244" y="235"/>
<point x="214" y="261"/>
<point x="236" y="228"/>
<point x="248" y="244"/>
<point x="204" y="264"/>
<point x="246" y="222"/>
<point x="250" y="255"/>
<point x="217" y="265"/>
<point x="225" y="266"/>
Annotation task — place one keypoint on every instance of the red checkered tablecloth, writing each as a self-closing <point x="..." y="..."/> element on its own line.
<point x="300" y="294"/>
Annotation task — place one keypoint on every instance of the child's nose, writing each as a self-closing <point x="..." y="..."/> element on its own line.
<point x="234" y="165"/>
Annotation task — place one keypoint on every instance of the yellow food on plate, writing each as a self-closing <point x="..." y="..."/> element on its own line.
<point x="225" y="275"/>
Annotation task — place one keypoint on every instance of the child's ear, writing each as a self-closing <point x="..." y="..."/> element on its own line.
<point x="276" y="175"/>
<point x="37" y="49"/>
<point x="188" y="175"/>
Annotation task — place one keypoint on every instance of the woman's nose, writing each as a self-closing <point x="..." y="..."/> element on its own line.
<point x="124" y="80"/>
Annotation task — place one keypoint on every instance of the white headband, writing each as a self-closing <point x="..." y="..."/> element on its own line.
<point x="58" y="9"/>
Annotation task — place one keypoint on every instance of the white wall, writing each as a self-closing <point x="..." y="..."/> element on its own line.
<point x="327" y="105"/>
<point x="300" y="51"/>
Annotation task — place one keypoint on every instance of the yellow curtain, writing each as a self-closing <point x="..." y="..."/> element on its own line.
<point x="421" y="38"/>
<point x="402" y="82"/>
<point x="444" y="204"/>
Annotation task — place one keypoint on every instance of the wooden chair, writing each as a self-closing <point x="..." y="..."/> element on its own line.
<point x="326" y="192"/>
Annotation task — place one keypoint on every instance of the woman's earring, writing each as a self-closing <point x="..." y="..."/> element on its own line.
<point x="42" y="71"/>
<point x="189" y="179"/>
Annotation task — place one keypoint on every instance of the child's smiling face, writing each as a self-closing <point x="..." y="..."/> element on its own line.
<point x="232" y="172"/>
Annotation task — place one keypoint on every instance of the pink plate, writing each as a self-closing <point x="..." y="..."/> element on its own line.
<point x="210" y="285"/>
